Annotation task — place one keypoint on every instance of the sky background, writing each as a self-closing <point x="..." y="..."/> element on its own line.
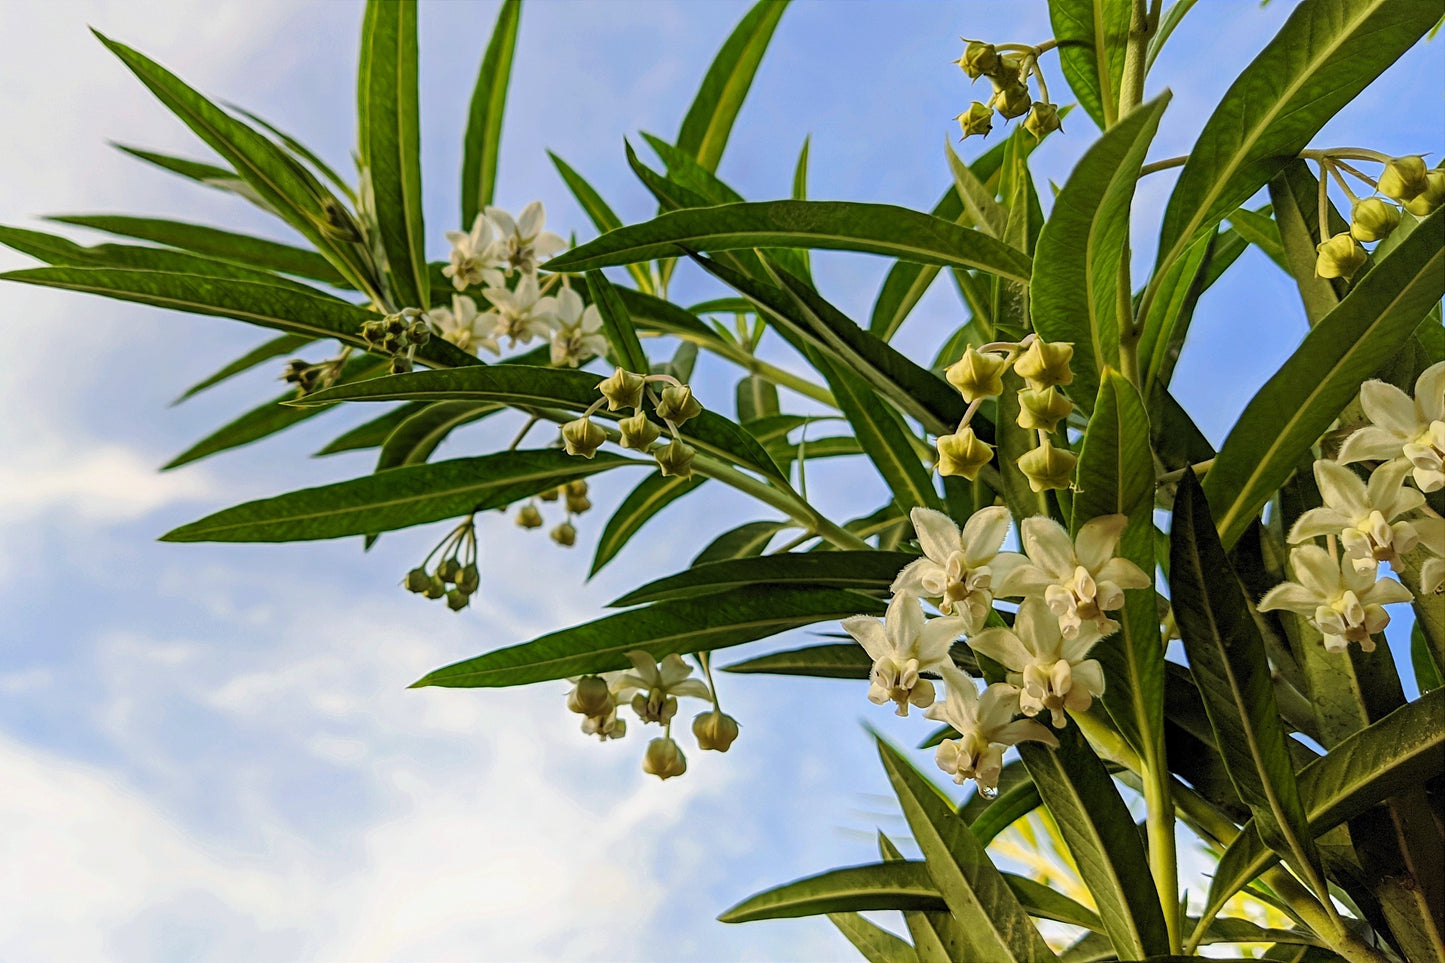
<point x="208" y="751"/>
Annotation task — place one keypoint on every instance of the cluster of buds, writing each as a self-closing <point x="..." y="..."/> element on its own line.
<point x="456" y="577"/>
<point x="572" y="495"/>
<point x="308" y="377"/>
<point x="652" y="689"/>
<point x="978" y="375"/>
<point x="1008" y="67"/>
<point x="1403" y="182"/>
<point x="674" y="407"/>
<point x="398" y="335"/>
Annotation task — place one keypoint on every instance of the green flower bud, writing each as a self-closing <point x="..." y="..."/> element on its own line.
<point x="622" y="390"/>
<point x="1042" y="408"/>
<point x="962" y="453"/>
<point x="1048" y="467"/>
<point x="550" y="495"/>
<point x="977" y="120"/>
<point x="638" y="432"/>
<point x="435" y="588"/>
<point x="417" y="580"/>
<point x="1013" y="100"/>
<point x="676" y="458"/>
<point x="400" y="364"/>
<point x="575" y="487"/>
<point x="1339" y="257"/>
<point x="715" y="730"/>
<point x="449" y="569"/>
<point x="391" y="344"/>
<point x="470" y="579"/>
<point x="577" y="504"/>
<point x="678" y="404"/>
<point x="458" y="600"/>
<point x="978" y="58"/>
<point x="1009" y="70"/>
<point x="1045" y="364"/>
<point x="418" y="332"/>
<point x="1428" y="201"/>
<point x="529" y="517"/>
<point x="1403" y="177"/>
<point x="664" y="759"/>
<point x="1042" y="120"/>
<point x="590" y="697"/>
<point x="372" y="332"/>
<point x="394" y="324"/>
<point x="582" y="437"/>
<point x="1373" y="219"/>
<point x="977" y="375"/>
<point x="564" y="535"/>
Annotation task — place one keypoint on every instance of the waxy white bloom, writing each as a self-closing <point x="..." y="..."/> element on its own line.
<point x="523" y="313"/>
<point x="522" y="243"/>
<point x="595" y="698"/>
<point x="986" y="727"/>
<point x="578" y="332"/>
<point x="1401" y="427"/>
<point x="1363" y="517"/>
<point x="1339" y="600"/>
<point x="1432" y="576"/>
<point x="1051" y="671"/>
<point x="464" y="326"/>
<point x="475" y="258"/>
<point x="955" y="565"/>
<point x="659" y="684"/>
<point x="1080" y="579"/>
<point x="902" y="645"/>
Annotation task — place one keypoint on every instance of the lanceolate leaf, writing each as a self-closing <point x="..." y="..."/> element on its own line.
<point x="274" y="348"/>
<point x="681" y="625"/>
<point x="1092" y="36"/>
<point x="876" y="944"/>
<point x="599" y="213"/>
<point x="396" y="499"/>
<point x="845" y="660"/>
<point x="836" y="225"/>
<point x="484" y="118"/>
<point x="1079" y="291"/>
<point x="414" y="440"/>
<point x="655" y="493"/>
<point x="1294" y="196"/>
<point x="621" y="335"/>
<point x="885" y="438"/>
<point x="373" y="433"/>
<point x="866" y="571"/>
<point x="745" y="540"/>
<point x="1299" y="403"/>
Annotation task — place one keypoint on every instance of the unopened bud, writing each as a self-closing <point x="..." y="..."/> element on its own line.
<point x="470" y="579"/>
<point x="529" y="517"/>
<point x="1048" y="467"/>
<point x="715" y="730"/>
<point x="622" y="390"/>
<point x="371" y="332"/>
<point x="1013" y="100"/>
<point x="1404" y="177"/>
<point x="1042" y="408"/>
<point x="638" y="432"/>
<point x="1042" y="120"/>
<point x="1429" y="200"/>
<point x="575" y="487"/>
<point x="400" y="364"/>
<point x="418" y="332"/>
<point x="978" y="58"/>
<point x="676" y="458"/>
<point x="435" y="588"/>
<point x="977" y="375"/>
<point x="1373" y="219"/>
<point x="550" y="495"/>
<point x="417" y="580"/>
<point x="577" y="504"/>
<point x="976" y="121"/>
<point x="394" y="324"/>
<point x="591" y="696"/>
<point x="449" y="569"/>
<point x="457" y="600"/>
<point x="564" y="535"/>
<point x="1339" y="257"/>
<point x="678" y="405"/>
<point x="962" y="453"/>
<point x="664" y="759"/>
<point x="1045" y="364"/>
<point x="582" y="437"/>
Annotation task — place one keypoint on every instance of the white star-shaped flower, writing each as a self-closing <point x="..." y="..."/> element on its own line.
<point x="1051" y="671"/>
<point x="522" y="314"/>
<point x="475" y="257"/>
<point x="1402" y="427"/>
<point x="522" y="243"/>
<point x="1339" y="600"/>
<point x="902" y="645"/>
<point x="658" y="685"/>
<point x="955" y="568"/>
<point x="577" y="335"/>
<point x="986" y="727"/>
<point x="464" y="326"/>
<point x="1363" y="516"/>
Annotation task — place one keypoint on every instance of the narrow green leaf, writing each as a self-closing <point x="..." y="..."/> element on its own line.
<point x="1171" y="19"/>
<point x="599" y="213"/>
<point x="745" y="540"/>
<point x="865" y="571"/>
<point x="1009" y="807"/>
<point x="757" y="397"/>
<point x="482" y="143"/>
<point x="885" y="439"/>
<point x="983" y="210"/>
<point x="845" y="660"/>
<point x="414" y="440"/>
<point x="275" y="348"/>
<point x="370" y="434"/>
<point x="199" y="171"/>
<point x="1294" y="197"/>
<point x="655" y="493"/>
<point x="876" y="944"/>
<point x="935" y="935"/>
<point x="621" y="335"/>
<point x="1092" y="36"/>
<point x="1259" y="229"/>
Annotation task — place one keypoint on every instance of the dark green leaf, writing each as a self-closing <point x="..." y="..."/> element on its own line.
<point x="482" y="143"/>
<point x="885" y="438"/>
<point x="745" y="540"/>
<point x="599" y="213"/>
<point x="757" y="397"/>
<point x="845" y="660"/>
<point x="655" y="493"/>
<point x="418" y="436"/>
<point x="876" y="944"/>
<point x="865" y="571"/>
<point x="1093" y="36"/>
<point x="621" y="335"/>
<point x="275" y="348"/>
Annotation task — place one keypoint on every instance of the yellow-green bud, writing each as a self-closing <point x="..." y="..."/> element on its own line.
<point x="449" y="569"/>
<point x="399" y="365"/>
<point x="582" y="437"/>
<point x="1013" y="100"/>
<point x="978" y="58"/>
<point x="564" y="535"/>
<point x="1042" y="120"/>
<point x="664" y="759"/>
<point x="622" y="390"/>
<point x="715" y="730"/>
<point x="1042" y="408"/>
<point x="676" y="458"/>
<point x="550" y="495"/>
<point x="962" y="453"/>
<point x="470" y="579"/>
<point x="1048" y="467"/>
<point x="678" y="404"/>
<point x="1373" y="219"/>
<point x="529" y="517"/>
<point x="638" y="432"/>
<point x="1429" y="200"/>
<point x="577" y="486"/>
<point x="590" y="696"/>
<point x="977" y="375"/>
<point x="435" y="588"/>
<point x="1339" y="257"/>
<point x="577" y="504"/>
<point x="1045" y="364"/>
<point x="1404" y="177"/>
<point x="417" y="580"/>
<point x="977" y="120"/>
<point x="457" y="600"/>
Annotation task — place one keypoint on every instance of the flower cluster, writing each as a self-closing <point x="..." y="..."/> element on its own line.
<point x="308" y="377"/>
<point x="397" y="335"/>
<point x="978" y="375"/>
<point x="1008" y="67"/>
<point x="674" y="406"/>
<point x="1338" y="588"/>
<point x="456" y="577"/>
<point x="1404" y="180"/>
<point x="573" y="497"/>
<point x="652" y="689"/>
<point x="1065" y="587"/>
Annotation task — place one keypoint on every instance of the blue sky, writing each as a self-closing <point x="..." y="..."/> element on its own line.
<point x="209" y="752"/>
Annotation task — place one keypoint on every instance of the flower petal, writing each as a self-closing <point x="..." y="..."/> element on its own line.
<point x="530" y="221"/>
<point x="936" y="637"/>
<point x="1038" y="629"/>
<point x="1002" y="646"/>
<point x="1124" y="574"/>
<point x="937" y="534"/>
<point x="1097" y="540"/>
<point x="695" y="688"/>
<point x="503" y="222"/>
<point x="983" y="533"/>
<point x="903" y="621"/>
<point x="1048" y="546"/>
<point x="998" y="704"/>
<point x="1316" y="571"/>
<point x="1089" y="674"/>
<point x="1341" y="489"/>
<point x="1390" y="408"/>
<point x="1384" y="592"/>
<point x="1076" y="648"/>
<point x="869" y="633"/>
<point x="1291" y="597"/>
<point x="1430" y="392"/>
<point x="1317" y="522"/>
<point x="1025" y="730"/>
<point x="646" y="666"/>
<point x="1370" y="444"/>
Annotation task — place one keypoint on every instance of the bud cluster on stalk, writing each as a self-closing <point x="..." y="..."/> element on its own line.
<point x="1008" y="68"/>
<point x="456" y="576"/>
<point x="398" y="335"/>
<point x="673" y="406"/>
<point x="572" y="496"/>
<point x="308" y="377"/>
<point x="1404" y="183"/>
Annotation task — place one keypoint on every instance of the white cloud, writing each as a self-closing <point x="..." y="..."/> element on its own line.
<point x="108" y="483"/>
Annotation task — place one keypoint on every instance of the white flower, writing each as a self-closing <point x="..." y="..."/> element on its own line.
<point x="1432" y="576"/>
<point x="955" y="565"/>
<point x="1079" y="579"/>
<point x="464" y="326"/>
<point x="1413" y="430"/>
<point x="659" y="684"/>
<point x="522" y="243"/>
<point x="1052" y="671"/>
<point x="902" y="645"/>
<point x="523" y="313"/>
<point x="1340" y="601"/>
<point x="578" y="334"/>
<point x="475" y="257"/>
<point x="1362" y="516"/>
<point x="595" y="698"/>
<point x="985" y="726"/>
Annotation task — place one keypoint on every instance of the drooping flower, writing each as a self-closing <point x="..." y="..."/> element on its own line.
<point x="664" y="759"/>
<point x="902" y="645"/>
<point x="464" y="326"/>
<point x="1080" y="579"/>
<point x="955" y="568"/>
<point x="522" y="243"/>
<point x="1402" y="427"/>
<point x="986" y="727"/>
<point x="658" y="685"/>
<point x="1052" y="672"/>
<point x="475" y="257"/>
<point x="522" y="313"/>
<point x="577" y="334"/>
<point x="595" y="698"/>
<point x="1343" y="603"/>
<point x="1363" y="516"/>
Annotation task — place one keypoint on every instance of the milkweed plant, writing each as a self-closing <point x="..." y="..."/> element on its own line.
<point x="1277" y="730"/>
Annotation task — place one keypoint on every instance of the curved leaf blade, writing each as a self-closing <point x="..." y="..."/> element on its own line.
<point x="1093" y="36"/>
<point x="655" y="493"/>
<point x="274" y="348"/>
<point x="482" y="142"/>
<point x="864" y="571"/>
<point x="414" y="439"/>
<point x="844" y="660"/>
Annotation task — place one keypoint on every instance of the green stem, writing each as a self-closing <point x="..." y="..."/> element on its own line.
<point x="1163" y="857"/>
<point x="785" y="379"/>
<point x="1131" y="89"/>
<point x="1163" y="165"/>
